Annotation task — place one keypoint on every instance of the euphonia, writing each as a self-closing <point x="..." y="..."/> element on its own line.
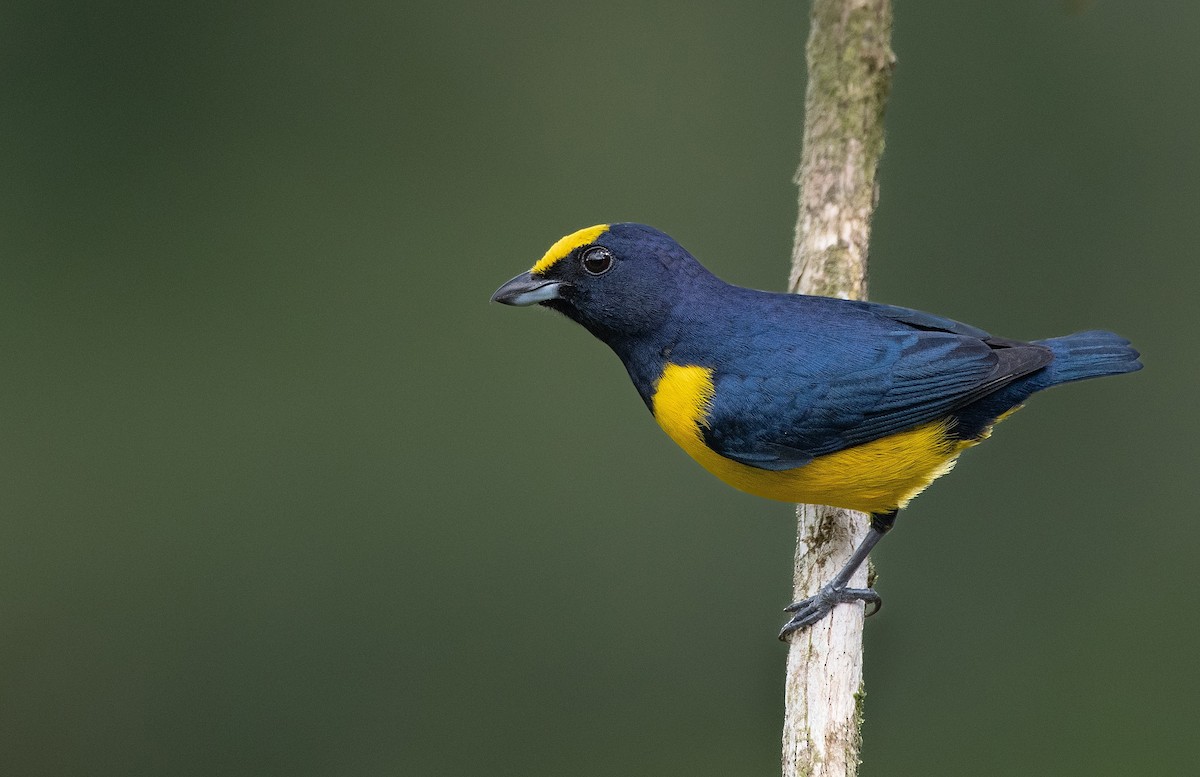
<point x="798" y="398"/>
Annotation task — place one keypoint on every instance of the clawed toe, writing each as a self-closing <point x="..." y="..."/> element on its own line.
<point x="808" y="611"/>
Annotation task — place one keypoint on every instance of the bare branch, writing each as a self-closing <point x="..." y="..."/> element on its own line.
<point x="849" y="75"/>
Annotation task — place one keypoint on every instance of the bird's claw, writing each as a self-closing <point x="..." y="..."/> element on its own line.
<point x="808" y="611"/>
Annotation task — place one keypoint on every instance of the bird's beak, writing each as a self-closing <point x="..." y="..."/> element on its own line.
<point x="527" y="290"/>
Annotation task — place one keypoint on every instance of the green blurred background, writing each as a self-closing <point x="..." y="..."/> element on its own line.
<point x="284" y="495"/>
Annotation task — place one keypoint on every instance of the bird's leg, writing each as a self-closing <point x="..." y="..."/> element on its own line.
<point x="814" y="608"/>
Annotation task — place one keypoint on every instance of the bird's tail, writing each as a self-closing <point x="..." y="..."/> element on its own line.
<point x="1088" y="355"/>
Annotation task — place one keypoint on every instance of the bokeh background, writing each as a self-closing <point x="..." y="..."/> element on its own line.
<point x="284" y="495"/>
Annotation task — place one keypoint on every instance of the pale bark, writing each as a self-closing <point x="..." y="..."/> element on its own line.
<point x="849" y="75"/>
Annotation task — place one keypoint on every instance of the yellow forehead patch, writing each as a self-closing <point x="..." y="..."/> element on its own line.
<point x="566" y="245"/>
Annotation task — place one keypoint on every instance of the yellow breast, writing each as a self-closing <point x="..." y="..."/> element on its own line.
<point x="874" y="477"/>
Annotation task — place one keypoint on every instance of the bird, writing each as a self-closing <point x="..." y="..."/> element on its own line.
<point x="798" y="398"/>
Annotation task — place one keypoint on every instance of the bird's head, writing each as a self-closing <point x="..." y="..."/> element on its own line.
<point x="617" y="280"/>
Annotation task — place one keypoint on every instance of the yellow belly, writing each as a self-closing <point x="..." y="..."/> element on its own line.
<point x="874" y="477"/>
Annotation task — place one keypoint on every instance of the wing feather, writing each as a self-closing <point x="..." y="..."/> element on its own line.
<point x="856" y="385"/>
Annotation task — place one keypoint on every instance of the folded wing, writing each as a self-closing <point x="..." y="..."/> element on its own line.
<point x="892" y="370"/>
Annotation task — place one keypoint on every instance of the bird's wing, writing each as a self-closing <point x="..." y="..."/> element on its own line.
<point x="857" y="386"/>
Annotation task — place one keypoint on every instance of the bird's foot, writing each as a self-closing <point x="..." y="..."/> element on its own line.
<point x="814" y="608"/>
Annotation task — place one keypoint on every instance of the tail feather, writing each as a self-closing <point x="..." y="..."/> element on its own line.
<point x="1088" y="355"/>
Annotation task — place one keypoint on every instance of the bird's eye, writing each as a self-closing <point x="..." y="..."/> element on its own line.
<point x="597" y="260"/>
